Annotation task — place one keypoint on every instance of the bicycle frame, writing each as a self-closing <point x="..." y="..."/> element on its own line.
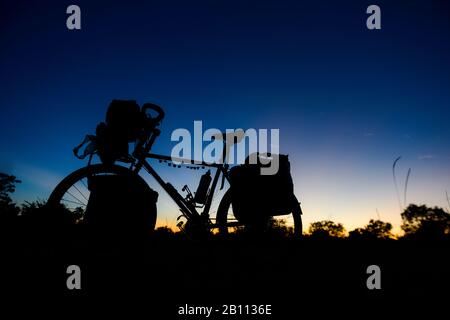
<point x="188" y="209"/>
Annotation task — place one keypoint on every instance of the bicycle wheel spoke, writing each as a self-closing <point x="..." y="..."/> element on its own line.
<point x="74" y="202"/>
<point x="79" y="201"/>
<point x="80" y="192"/>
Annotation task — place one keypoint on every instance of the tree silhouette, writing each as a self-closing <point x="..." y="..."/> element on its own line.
<point x="8" y="209"/>
<point x="425" y="222"/>
<point x="7" y="186"/>
<point x="375" y="229"/>
<point x="326" y="229"/>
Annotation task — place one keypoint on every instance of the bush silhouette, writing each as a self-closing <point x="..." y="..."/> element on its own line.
<point x="280" y="228"/>
<point x="375" y="229"/>
<point x="32" y="224"/>
<point x="163" y="232"/>
<point x="422" y="222"/>
<point x="326" y="229"/>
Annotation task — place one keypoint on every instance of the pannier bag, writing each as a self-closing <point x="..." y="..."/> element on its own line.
<point x="255" y="196"/>
<point x="120" y="205"/>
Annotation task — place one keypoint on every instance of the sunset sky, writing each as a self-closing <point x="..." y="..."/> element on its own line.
<point x="348" y="101"/>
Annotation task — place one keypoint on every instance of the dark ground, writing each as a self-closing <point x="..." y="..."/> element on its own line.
<point x="294" y="276"/>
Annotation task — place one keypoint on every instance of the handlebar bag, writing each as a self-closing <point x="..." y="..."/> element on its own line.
<point x="125" y="119"/>
<point x="124" y="123"/>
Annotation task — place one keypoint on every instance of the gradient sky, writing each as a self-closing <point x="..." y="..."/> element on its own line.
<point x="347" y="100"/>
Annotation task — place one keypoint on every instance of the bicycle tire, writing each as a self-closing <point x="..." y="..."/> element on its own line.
<point x="56" y="197"/>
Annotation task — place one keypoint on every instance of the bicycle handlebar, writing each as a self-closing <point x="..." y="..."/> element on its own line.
<point x="156" y="108"/>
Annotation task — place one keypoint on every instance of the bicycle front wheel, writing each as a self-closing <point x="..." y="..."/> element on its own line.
<point x="73" y="192"/>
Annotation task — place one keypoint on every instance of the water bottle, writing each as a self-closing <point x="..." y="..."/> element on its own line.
<point x="203" y="187"/>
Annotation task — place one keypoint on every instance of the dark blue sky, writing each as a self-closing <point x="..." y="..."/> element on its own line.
<point x="347" y="100"/>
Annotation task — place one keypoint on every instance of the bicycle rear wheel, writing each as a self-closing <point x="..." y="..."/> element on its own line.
<point x="226" y="219"/>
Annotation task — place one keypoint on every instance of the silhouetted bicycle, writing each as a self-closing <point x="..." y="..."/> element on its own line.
<point x="73" y="191"/>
